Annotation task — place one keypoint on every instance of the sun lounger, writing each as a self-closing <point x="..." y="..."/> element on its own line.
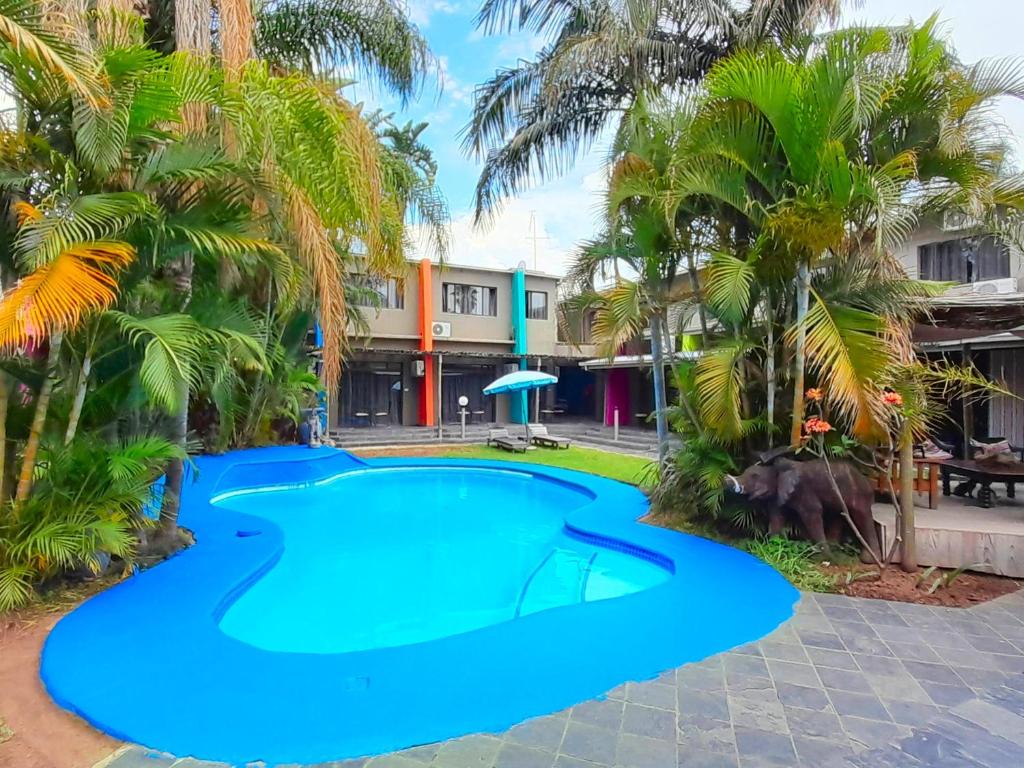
<point x="539" y="436"/>
<point x="500" y="438"/>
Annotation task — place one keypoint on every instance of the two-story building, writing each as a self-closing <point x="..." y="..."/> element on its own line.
<point x="442" y="332"/>
<point x="980" y="319"/>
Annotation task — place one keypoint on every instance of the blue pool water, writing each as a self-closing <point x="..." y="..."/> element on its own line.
<point x="390" y="557"/>
<point x="335" y="608"/>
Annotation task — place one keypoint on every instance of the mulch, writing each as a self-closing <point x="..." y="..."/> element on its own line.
<point x="967" y="589"/>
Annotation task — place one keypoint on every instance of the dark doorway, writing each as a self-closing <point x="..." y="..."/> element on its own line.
<point x="469" y="381"/>
<point x="574" y="392"/>
<point x="371" y="395"/>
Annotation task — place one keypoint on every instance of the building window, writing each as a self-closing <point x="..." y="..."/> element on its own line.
<point x="470" y="299"/>
<point x="379" y="292"/>
<point x="964" y="260"/>
<point x="537" y="305"/>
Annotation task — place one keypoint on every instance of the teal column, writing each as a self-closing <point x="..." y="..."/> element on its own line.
<point x="518" y="407"/>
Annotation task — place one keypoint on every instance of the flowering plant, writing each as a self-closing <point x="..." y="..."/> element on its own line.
<point x="814" y="394"/>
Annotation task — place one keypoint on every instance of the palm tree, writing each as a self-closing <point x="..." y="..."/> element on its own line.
<point x="532" y="120"/>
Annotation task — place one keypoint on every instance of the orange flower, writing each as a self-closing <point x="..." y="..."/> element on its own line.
<point x="814" y="394"/>
<point x="814" y="425"/>
<point x="892" y="398"/>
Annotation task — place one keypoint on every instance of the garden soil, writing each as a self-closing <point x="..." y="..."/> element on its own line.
<point x="966" y="590"/>
<point x="44" y="736"/>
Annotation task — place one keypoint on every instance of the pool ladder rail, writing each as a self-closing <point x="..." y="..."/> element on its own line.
<point x="584" y="568"/>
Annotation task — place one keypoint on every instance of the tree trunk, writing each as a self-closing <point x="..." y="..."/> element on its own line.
<point x="908" y="549"/>
<point x="236" y="24"/>
<point x="803" y="294"/>
<point x="5" y="399"/>
<point x="691" y="268"/>
<point x="175" y="475"/>
<point x="769" y="368"/>
<point x="660" y="406"/>
<point x="192" y="19"/>
<point x="35" y="435"/>
<point x="79" y="401"/>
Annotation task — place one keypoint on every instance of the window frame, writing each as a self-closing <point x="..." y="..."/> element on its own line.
<point x="452" y="306"/>
<point x="387" y="289"/>
<point x="529" y="308"/>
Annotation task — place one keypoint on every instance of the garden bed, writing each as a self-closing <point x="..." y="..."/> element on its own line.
<point x="966" y="589"/>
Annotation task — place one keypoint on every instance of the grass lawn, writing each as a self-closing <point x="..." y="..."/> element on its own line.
<point x="629" y="469"/>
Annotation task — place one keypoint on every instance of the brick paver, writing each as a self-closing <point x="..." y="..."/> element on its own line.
<point x="846" y="683"/>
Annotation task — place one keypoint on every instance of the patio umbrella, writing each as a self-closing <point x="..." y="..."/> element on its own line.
<point x="520" y="381"/>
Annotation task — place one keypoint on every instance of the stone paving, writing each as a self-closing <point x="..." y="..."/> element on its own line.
<point x="847" y="683"/>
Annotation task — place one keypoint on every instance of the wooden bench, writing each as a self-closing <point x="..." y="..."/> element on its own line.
<point x="926" y="479"/>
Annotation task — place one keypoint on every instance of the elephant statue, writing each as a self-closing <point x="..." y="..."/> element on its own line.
<point x="803" y="488"/>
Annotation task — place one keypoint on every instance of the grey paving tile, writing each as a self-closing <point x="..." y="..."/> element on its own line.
<point x="692" y="678"/>
<point x="394" y="761"/>
<point x="858" y="705"/>
<point x="844" y="680"/>
<point x="992" y="645"/>
<point x="898" y="687"/>
<point x="565" y="761"/>
<point x="700" y="758"/>
<point x="606" y="713"/>
<point x="784" y="651"/>
<point x="137" y="757"/>
<point x="750" y="649"/>
<point x="842" y="612"/>
<point x="588" y="742"/>
<point x="879" y="665"/>
<point x="792" y="672"/>
<point x="758" y="688"/>
<point x="518" y="756"/>
<point x="949" y="640"/>
<point x="713" y="705"/>
<point x="913" y="652"/>
<point x="650" y="722"/>
<point x="912" y="713"/>
<point x="1008" y="698"/>
<point x="827" y="657"/>
<point x="803" y="696"/>
<point x="468" y="752"/>
<point x="744" y="665"/>
<point x="760" y="715"/>
<point x="820" y="639"/>
<point x="947" y="695"/>
<point x="975" y="627"/>
<point x="634" y="751"/>
<point x="765" y="745"/>
<point x="872" y="734"/>
<point x="543" y="732"/>
<point x="992" y="718"/>
<point x="932" y="673"/>
<point x="705" y="733"/>
<point x="808" y="722"/>
<point x="652" y="694"/>
<point x="982" y="678"/>
<point x="423" y="754"/>
<point x="618" y="692"/>
<point x="816" y="753"/>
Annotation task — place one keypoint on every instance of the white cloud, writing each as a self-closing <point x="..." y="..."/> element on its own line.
<point x="565" y="212"/>
<point x="421" y="11"/>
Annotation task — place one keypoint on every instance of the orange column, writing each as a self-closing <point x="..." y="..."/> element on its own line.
<point x="428" y="400"/>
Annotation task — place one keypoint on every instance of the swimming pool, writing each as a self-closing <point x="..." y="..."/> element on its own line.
<point x="336" y="608"/>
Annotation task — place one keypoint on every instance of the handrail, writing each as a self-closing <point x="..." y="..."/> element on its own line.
<point x="529" y="579"/>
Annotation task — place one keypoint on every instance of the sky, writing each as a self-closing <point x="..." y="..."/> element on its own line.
<point x="566" y="209"/>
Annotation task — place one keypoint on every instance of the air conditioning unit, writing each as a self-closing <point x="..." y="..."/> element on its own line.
<point x="441" y="330"/>
<point x="993" y="287"/>
<point x="419" y="368"/>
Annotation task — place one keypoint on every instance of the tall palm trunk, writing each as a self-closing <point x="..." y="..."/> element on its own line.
<point x="79" y="401"/>
<point x="192" y="34"/>
<point x="803" y="295"/>
<point x="35" y="435"/>
<point x="5" y="400"/>
<point x="691" y="268"/>
<point x="769" y="367"/>
<point x="660" y="405"/>
<point x="236" y="25"/>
